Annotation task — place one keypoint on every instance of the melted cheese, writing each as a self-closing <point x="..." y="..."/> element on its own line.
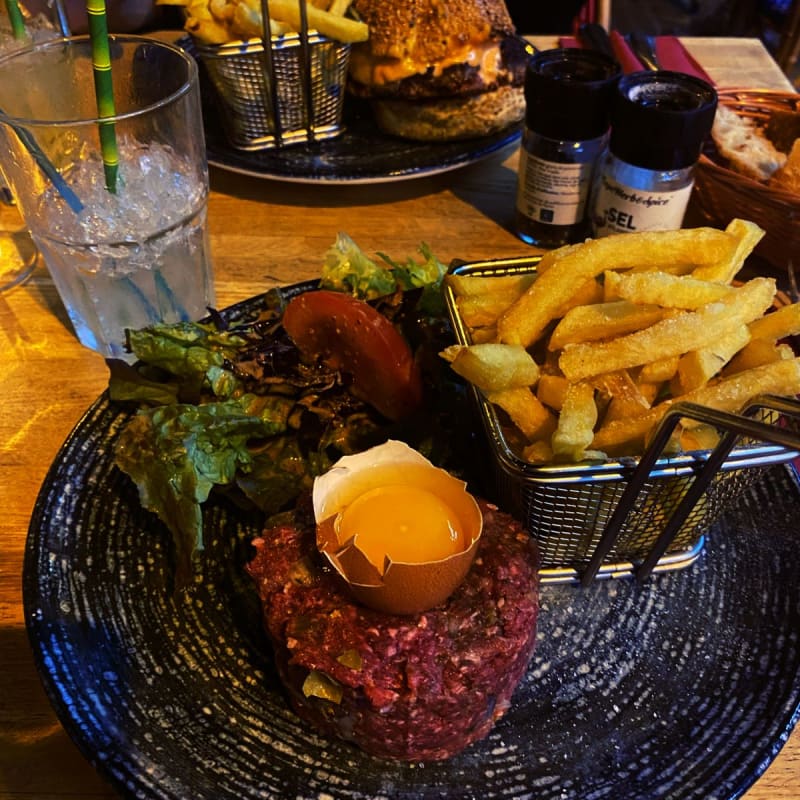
<point x="372" y="71"/>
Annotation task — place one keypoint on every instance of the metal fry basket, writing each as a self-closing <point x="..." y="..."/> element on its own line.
<point x="629" y="516"/>
<point x="289" y="93"/>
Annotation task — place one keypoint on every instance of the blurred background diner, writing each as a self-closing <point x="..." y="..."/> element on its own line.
<point x="124" y="16"/>
<point x="775" y="22"/>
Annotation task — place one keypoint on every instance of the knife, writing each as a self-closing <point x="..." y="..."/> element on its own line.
<point x="645" y="49"/>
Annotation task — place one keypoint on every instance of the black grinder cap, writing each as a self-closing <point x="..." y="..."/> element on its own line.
<point x="660" y="119"/>
<point x="568" y="93"/>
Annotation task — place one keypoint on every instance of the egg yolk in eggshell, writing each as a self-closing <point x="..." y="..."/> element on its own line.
<point x="401" y="532"/>
<point x="404" y="523"/>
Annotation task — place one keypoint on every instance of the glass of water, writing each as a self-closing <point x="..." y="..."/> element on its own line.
<point x="17" y="251"/>
<point x="133" y="251"/>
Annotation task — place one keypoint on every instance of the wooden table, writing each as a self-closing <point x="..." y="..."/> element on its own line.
<point x="263" y="233"/>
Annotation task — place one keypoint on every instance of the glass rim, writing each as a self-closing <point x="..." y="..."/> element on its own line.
<point x="183" y="89"/>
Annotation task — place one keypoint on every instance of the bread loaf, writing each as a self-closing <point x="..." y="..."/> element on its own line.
<point x="744" y="145"/>
<point x="788" y="176"/>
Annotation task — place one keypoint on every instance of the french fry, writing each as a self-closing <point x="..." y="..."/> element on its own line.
<point x="482" y="310"/>
<point x="342" y="29"/>
<point x="676" y="268"/>
<point x="659" y="371"/>
<point x="554" y="256"/>
<point x="687" y="331"/>
<point x="538" y="452"/>
<point x="528" y="317"/>
<point x="575" y="430"/>
<point x="219" y="21"/>
<point x="624" y="407"/>
<point x="484" y="335"/>
<point x="221" y="10"/>
<point x="696" y="368"/>
<point x="777" y="324"/>
<point x="700" y="437"/>
<point x="526" y="412"/>
<point x="551" y="390"/>
<point x="756" y="353"/>
<point x="202" y="25"/>
<point x="482" y="300"/>
<point x="663" y="289"/>
<point x="493" y="367"/>
<point x="730" y="394"/>
<point x="748" y="235"/>
<point x="339" y="7"/>
<point x="608" y="369"/>
<point x="589" y="292"/>
<point x="625" y="395"/>
<point x="650" y="391"/>
<point x="586" y="323"/>
<point x="480" y="286"/>
<point x="246" y="20"/>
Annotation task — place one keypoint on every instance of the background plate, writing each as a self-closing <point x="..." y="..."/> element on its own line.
<point x="362" y="154"/>
<point x="685" y="687"/>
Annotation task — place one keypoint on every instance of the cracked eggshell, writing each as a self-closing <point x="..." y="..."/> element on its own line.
<point x="401" y="588"/>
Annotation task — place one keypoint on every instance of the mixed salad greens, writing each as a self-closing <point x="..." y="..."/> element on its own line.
<point x="231" y="404"/>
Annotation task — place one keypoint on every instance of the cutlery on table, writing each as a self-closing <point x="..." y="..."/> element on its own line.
<point x="644" y="48"/>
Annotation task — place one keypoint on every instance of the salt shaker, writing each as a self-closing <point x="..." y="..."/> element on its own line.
<point x="567" y="98"/>
<point x="659" y="122"/>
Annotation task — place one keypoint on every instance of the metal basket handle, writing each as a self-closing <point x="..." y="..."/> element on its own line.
<point x="269" y="69"/>
<point x="734" y="425"/>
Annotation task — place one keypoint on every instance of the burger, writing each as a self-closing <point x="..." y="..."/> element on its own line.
<point x="436" y="70"/>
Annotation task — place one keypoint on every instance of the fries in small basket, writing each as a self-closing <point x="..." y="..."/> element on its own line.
<point x="220" y="21"/>
<point x="584" y="361"/>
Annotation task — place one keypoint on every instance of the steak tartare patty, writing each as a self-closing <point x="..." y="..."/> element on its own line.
<point x="419" y="687"/>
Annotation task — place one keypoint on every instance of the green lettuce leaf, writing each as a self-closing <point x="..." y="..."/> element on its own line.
<point x="209" y="424"/>
<point x="278" y="474"/>
<point x="175" y="454"/>
<point x="426" y="275"/>
<point x="415" y="275"/>
<point x="346" y="268"/>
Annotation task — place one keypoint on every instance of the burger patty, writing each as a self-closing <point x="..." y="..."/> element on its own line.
<point x="458" y="80"/>
<point x="418" y="687"/>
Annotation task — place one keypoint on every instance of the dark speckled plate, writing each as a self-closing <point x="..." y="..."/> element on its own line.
<point x="362" y="154"/>
<point x="683" y="688"/>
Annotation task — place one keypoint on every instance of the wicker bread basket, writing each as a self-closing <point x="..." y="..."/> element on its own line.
<point x="720" y="194"/>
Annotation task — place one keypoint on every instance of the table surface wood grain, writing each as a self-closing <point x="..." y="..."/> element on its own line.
<point x="263" y="233"/>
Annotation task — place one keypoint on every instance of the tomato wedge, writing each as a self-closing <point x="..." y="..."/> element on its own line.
<point x="351" y="336"/>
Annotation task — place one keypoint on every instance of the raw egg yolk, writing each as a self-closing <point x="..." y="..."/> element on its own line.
<point x="408" y="524"/>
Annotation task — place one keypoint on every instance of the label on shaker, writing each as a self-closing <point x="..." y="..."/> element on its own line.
<point x="617" y="208"/>
<point x="553" y="193"/>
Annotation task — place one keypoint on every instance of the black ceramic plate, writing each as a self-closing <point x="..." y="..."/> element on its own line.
<point x="685" y="687"/>
<point x="362" y="154"/>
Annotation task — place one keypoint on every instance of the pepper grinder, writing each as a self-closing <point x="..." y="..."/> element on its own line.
<point x="567" y="99"/>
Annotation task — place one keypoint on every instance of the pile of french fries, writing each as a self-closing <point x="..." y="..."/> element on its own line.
<point x="585" y="356"/>
<point x="214" y="22"/>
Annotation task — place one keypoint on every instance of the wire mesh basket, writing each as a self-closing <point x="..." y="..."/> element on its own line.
<point x="605" y="518"/>
<point x="290" y="93"/>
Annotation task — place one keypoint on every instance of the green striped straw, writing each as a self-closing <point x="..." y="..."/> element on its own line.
<point x="103" y="89"/>
<point x="16" y="19"/>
